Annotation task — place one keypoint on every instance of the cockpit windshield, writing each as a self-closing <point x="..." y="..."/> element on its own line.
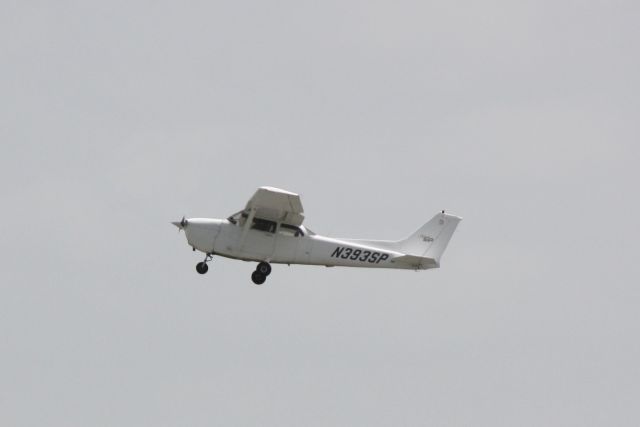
<point x="237" y="218"/>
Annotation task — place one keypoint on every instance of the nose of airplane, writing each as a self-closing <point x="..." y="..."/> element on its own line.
<point x="181" y="224"/>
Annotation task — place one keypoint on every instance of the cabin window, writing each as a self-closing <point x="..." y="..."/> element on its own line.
<point x="290" y="230"/>
<point x="263" y="225"/>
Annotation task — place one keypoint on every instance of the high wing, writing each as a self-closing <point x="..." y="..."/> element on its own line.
<point x="277" y="205"/>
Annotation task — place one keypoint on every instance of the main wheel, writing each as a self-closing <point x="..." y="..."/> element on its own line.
<point x="202" y="268"/>
<point x="258" y="278"/>
<point x="264" y="268"/>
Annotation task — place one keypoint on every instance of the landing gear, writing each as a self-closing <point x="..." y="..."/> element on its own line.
<point x="202" y="266"/>
<point x="264" y="268"/>
<point x="258" y="278"/>
<point x="262" y="271"/>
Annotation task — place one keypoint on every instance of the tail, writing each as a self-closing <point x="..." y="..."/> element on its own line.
<point x="431" y="239"/>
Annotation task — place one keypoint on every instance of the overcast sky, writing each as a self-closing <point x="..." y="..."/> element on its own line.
<point x="117" y="117"/>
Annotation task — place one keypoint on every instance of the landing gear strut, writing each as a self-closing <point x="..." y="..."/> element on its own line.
<point x="202" y="266"/>
<point x="260" y="275"/>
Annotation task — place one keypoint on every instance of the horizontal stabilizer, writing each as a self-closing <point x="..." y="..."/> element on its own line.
<point x="416" y="262"/>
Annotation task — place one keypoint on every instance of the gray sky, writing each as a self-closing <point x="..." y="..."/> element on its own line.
<point x="118" y="117"/>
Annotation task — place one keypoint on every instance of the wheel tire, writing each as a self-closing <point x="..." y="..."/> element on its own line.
<point x="258" y="278"/>
<point x="264" y="268"/>
<point x="202" y="268"/>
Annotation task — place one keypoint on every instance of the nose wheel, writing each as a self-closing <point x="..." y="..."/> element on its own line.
<point x="260" y="275"/>
<point x="202" y="266"/>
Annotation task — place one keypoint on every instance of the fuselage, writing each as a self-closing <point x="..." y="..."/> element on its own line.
<point x="284" y="244"/>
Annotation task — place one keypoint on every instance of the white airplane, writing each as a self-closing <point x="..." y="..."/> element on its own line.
<point x="269" y="231"/>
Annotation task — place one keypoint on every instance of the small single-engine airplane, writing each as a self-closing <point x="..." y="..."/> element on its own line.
<point x="269" y="230"/>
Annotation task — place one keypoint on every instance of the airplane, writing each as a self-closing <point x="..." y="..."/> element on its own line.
<point x="269" y="231"/>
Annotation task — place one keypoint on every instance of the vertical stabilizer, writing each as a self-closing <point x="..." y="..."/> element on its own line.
<point x="430" y="240"/>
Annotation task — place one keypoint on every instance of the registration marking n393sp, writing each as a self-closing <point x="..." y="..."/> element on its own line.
<point x="359" y="255"/>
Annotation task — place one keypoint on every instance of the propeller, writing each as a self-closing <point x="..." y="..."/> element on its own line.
<point x="181" y="224"/>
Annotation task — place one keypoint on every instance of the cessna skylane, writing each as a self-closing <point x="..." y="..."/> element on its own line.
<point x="269" y="231"/>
